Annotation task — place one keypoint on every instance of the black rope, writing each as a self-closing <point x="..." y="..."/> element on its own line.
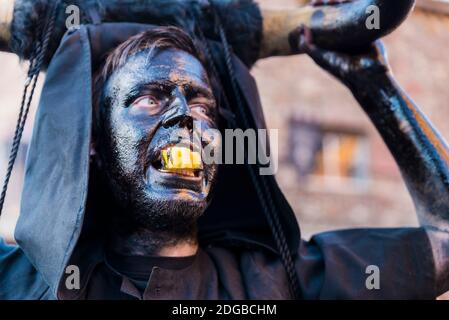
<point x="36" y="62"/>
<point x="263" y="193"/>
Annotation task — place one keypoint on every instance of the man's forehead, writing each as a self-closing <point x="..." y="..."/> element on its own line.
<point x="171" y="65"/>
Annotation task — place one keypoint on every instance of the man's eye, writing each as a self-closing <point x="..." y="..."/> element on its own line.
<point x="200" y="109"/>
<point x="146" y="102"/>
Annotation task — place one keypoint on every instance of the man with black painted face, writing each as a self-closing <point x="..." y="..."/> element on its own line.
<point x="152" y="94"/>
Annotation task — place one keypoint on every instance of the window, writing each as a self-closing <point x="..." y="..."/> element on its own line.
<point x="329" y="157"/>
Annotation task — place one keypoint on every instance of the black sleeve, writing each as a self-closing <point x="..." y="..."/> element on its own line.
<point x="336" y="265"/>
<point x="19" y="280"/>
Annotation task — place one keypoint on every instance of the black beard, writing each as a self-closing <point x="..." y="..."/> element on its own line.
<point x="175" y="217"/>
<point x="137" y="210"/>
<point x="149" y="226"/>
<point x="142" y="221"/>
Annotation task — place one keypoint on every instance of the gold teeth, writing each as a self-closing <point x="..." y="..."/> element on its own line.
<point x="182" y="172"/>
<point x="181" y="160"/>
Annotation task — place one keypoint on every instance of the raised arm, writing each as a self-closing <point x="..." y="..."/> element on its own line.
<point x="419" y="150"/>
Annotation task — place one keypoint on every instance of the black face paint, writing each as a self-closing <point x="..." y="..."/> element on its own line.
<point x="153" y="102"/>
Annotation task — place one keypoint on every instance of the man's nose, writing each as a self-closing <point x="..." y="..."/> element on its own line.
<point x="178" y="114"/>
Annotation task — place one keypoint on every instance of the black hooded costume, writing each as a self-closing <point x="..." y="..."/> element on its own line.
<point x="239" y="255"/>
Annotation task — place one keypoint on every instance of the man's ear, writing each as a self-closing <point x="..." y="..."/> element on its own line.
<point x="93" y="153"/>
<point x="92" y="150"/>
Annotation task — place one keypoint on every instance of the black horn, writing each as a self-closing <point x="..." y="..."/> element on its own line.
<point x="254" y="32"/>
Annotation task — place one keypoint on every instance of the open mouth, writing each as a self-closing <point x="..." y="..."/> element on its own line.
<point x="177" y="167"/>
<point x="180" y="160"/>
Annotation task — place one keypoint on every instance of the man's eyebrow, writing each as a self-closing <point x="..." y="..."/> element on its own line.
<point x="162" y="85"/>
<point x="140" y="89"/>
<point x="192" y="90"/>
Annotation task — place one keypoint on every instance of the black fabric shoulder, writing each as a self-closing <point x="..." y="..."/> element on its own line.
<point x="19" y="280"/>
<point x="344" y="265"/>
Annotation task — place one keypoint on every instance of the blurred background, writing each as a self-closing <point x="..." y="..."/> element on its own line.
<point x="334" y="168"/>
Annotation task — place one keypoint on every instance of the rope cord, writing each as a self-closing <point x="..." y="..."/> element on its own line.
<point x="36" y="61"/>
<point x="262" y="191"/>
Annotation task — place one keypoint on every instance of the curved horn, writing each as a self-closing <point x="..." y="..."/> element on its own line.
<point x="340" y="26"/>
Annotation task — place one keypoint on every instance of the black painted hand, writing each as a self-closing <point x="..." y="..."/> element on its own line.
<point x="347" y="67"/>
